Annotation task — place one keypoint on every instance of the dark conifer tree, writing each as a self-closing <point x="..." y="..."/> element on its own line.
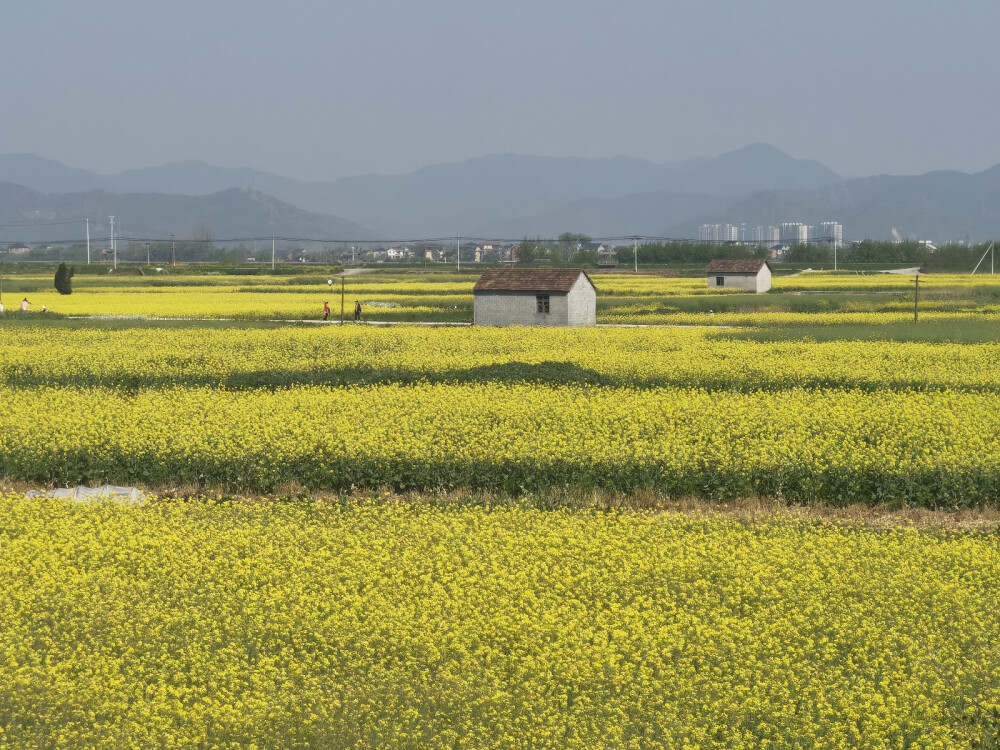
<point x="63" y="275"/>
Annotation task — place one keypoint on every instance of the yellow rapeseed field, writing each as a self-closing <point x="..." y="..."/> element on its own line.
<point x="206" y="624"/>
<point x="812" y="299"/>
<point x="687" y="413"/>
<point x="464" y="615"/>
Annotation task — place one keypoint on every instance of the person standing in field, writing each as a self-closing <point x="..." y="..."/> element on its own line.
<point x="24" y="305"/>
<point x="357" y="312"/>
<point x="326" y="311"/>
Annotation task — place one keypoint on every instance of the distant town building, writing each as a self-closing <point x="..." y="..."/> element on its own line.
<point x="787" y="234"/>
<point x="534" y="297"/>
<point x="607" y="257"/>
<point x="718" y="234"/>
<point x="751" y="275"/>
<point x="794" y="233"/>
<point x="831" y="233"/>
<point x="398" y="253"/>
<point x="765" y="236"/>
<point x="19" y="249"/>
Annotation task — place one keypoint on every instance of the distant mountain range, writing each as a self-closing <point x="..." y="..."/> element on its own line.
<point x="449" y="199"/>
<point x="511" y="196"/>
<point x="27" y="215"/>
<point x="938" y="206"/>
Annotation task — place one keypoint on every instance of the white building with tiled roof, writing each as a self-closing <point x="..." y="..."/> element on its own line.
<point x="534" y="297"/>
<point x="750" y="275"/>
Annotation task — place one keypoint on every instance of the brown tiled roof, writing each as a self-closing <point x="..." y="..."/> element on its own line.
<point x="528" y="279"/>
<point x="736" y="266"/>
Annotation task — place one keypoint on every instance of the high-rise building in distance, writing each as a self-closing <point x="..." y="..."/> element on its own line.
<point x="831" y="233"/>
<point x="794" y="233"/>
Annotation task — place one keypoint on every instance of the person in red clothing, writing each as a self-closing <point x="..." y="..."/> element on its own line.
<point x="326" y="311"/>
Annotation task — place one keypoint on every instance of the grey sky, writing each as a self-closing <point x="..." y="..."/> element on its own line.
<point x="320" y="89"/>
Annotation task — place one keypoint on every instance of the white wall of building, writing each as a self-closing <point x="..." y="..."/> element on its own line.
<point x="577" y="308"/>
<point x="582" y="303"/>
<point x="757" y="283"/>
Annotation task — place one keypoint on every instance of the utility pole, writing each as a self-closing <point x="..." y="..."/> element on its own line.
<point x="341" y="298"/>
<point x="989" y="251"/>
<point x="114" y="247"/>
<point x="635" y="252"/>
<point x="88" y="242"/>
<point x="272" y="252"/>
<point x="458" y="252"/>
<point x="147" y="255"/>
<point x="916" y="294"/>
<point x="173" y="255"/>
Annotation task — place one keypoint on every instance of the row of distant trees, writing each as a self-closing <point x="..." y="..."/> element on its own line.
<point x="566" y="250"/>
<point x="950" y="257"/>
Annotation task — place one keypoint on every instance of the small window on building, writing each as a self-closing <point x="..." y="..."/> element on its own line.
<point x="720" y="280"/>
<point x="541" y="303"/>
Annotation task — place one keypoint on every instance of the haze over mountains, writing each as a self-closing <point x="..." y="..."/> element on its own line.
<point x="505" y="197"/>
<point x="27" y="215"/>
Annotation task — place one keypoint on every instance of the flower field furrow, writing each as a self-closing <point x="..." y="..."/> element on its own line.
<point x="934" y="449"/>
<point x="245" y="358"/>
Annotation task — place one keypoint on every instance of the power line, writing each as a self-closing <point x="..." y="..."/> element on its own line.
<point x="624" y="239"/>
<point x="44" y="223"/>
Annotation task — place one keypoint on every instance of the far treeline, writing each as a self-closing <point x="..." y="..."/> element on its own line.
<point x="570" y="250"/>
<point x="574" y="250"/>
<point x="951" y="257"/>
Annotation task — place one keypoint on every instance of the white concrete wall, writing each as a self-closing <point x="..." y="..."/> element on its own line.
<point x="578" y="308"/>
<point x="763" y="280"/>
<point x="759" y="283"/>
<point x="582" y="303"/>
<point x="517" y="309"/>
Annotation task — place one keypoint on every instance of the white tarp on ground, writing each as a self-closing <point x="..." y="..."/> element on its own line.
<point x="106" y="492"/>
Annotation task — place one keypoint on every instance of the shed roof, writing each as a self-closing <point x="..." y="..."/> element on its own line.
<point x="737" y="266"/>
<point x="529" y="280"/>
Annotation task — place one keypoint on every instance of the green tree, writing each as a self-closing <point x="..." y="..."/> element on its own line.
<point x="568" y="246"/>
<point x="805" y="253"/>
<point x="64" y="274"/>
<point x="528" y="251"/>
<point x="584" y="258"/>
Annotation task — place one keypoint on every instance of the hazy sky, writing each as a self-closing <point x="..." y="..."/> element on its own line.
<point x="320" y="89"/>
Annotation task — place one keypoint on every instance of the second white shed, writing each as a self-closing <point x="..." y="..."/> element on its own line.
<point x="749" y="275"/>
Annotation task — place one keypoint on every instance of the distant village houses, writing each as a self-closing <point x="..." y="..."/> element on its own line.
<point x="787" y="234"/>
